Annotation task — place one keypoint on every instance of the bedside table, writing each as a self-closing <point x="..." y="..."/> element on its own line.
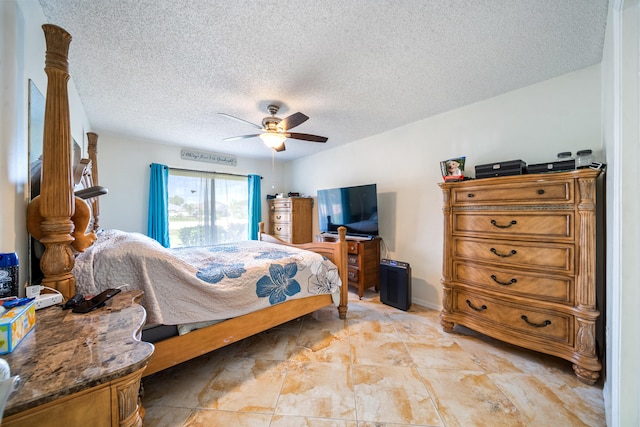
<point x="81" y="369"/>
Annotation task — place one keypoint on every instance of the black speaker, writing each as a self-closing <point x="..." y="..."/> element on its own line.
<point x="395" y="284"/>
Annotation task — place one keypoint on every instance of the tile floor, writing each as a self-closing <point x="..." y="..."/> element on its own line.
<point x="382" y="367"/>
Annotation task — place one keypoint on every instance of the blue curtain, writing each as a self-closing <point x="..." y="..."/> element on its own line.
<point x="158" y="225"/>
<point x="255" y="208"/>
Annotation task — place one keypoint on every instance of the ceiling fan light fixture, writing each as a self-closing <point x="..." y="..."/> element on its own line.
<point x="272" y="139"/>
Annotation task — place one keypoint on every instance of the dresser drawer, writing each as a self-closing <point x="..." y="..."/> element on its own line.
<point x="352" y="259"/>
<point x="353" y="275"/>
<point x="540" y="255"/>
<point x="526" y="193"/>
<point x="352" y="247"/>
<point x="281" y="205"/>
<point x="281" y="217"/>
<point x="532" y="321"/>
<point x="550" y="225"/>
<point x="280" y="229"/>
<point x="515" y="282"/>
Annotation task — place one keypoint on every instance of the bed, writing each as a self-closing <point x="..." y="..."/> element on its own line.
<point x="67" y="227"/>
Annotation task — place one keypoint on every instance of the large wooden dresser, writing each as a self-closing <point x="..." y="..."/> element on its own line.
<point x="290" y="219"/>
<point x="520" y="262"/>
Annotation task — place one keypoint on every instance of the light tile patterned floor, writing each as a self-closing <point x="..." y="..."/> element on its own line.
<point x="382" y="367"/>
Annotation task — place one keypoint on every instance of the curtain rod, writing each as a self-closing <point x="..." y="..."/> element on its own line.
<point x="201" y="171"/>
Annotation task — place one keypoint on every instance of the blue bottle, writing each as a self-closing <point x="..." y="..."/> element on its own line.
<point x="9" y="275"/>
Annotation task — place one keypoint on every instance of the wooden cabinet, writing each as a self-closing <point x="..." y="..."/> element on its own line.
<point x="520" y="263"/>
<point x="81" y="369"/>
<point x="112" y="404"/>
<point x="290" y="219"/>
<point x="364" y="264"/>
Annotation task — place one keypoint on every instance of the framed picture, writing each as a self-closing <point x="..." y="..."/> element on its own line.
<point x="453" y="169"/>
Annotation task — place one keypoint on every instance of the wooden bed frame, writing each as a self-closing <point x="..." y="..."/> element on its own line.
<point x="172" y="351"/>
<point x="58" y="219"/>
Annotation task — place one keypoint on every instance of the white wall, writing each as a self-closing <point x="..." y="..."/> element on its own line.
<point x="123" y="167"/>
<point x="22" y="55"/>
<point x="532" y="124"/>
<point x="621" y="123"/>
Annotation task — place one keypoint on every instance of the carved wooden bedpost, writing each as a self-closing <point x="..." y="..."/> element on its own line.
<point x="447" y="269"/>
<point x="92" y="137"/>
<point x="57" y="204"/>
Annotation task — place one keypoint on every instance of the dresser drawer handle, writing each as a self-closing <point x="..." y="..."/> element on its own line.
<point x="278" y="216"/>
<point x="510" y="282"/>
<point x="279" y="228"/>
<point x="541" y="192"/>
<point x="470" y="195"/>
<point x="482" y="308"/>
<point x="536" y="325"/>
<point x="495" y="224"/>
<point x="513" y="252"/>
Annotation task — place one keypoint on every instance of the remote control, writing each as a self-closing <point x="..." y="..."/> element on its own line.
<point x="95" y="302"/>
<point x="73" y="301"/>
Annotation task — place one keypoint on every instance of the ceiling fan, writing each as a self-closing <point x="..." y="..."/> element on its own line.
<point x="276" y="130"/>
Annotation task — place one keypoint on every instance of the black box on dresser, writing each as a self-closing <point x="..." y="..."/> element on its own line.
<point x="506" y="168"/>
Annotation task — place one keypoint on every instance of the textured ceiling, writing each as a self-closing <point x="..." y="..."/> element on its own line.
<point x="163" y="69"/>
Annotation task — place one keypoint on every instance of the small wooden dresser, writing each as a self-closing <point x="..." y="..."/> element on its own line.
<point x="520" y="262"/>
<point x="290" y="219"/>
<point x="364" y="264"/>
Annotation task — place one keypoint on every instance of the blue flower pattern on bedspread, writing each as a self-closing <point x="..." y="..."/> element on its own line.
<point x="223" y="263"/>
<point x="215" y="272"/>
<point x="279" y="284"/>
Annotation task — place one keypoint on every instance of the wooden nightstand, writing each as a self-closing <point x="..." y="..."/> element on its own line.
<point x="363" y="262"/>
<point x="81" y="369"/>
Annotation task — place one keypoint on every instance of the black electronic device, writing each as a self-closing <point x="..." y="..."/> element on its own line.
<point x="355" y="208"/>
<point x="95" y="302"/>
<point x="507" y="168"/>
<point x="395" y="284"/>
<point x="73" y="301"/>
<point x="564" y="165"/>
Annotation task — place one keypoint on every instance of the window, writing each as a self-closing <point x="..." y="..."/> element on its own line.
<point x="207" y="208"/>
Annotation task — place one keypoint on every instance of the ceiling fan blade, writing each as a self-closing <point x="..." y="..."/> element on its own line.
<point x="240" y="120"/>
<point x="306" y="137"/>
<point x="233" y="138"/>
<point x="280" y="148"/>
<point x="292" y="121"/>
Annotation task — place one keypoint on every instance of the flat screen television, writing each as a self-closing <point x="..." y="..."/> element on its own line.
<point x="356" y="208"/>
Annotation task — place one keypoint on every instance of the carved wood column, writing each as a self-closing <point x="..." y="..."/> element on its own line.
<point x="585" y="344"/>
<point x="447" y="265"/>
<point x="57" y="204"/>
<point x="93" y="156"/>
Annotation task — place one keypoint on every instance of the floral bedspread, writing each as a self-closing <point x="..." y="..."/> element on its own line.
<point x="202" y="284"/>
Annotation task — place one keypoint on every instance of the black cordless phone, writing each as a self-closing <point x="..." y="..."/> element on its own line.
<point x="95" y="302"/>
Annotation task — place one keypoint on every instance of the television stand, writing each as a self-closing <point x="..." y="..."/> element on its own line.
<point x="363" y="261"/>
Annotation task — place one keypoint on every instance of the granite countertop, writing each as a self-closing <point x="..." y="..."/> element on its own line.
<point x="69" y="352"/>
